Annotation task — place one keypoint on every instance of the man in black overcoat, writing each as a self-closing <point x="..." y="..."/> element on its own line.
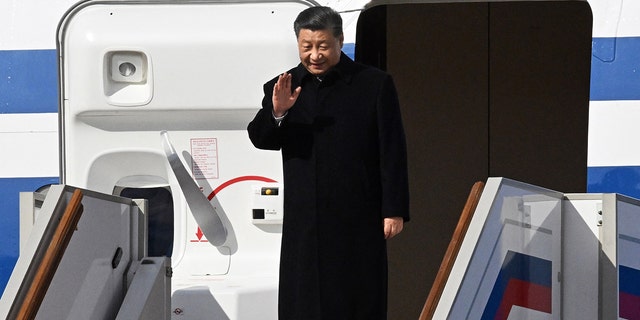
<point x="338" y="126"/>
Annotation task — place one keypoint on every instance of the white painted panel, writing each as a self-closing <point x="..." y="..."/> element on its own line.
<point x="629" y="24"/>
<point x="606" y="16"/>
<point x="614" y="131"/>
<point x="30" y="24"/>
<point x="615" y="18"/>
<point x="29" y="145"/>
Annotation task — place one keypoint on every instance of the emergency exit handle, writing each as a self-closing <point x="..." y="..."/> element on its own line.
<point x="205" y="214"/>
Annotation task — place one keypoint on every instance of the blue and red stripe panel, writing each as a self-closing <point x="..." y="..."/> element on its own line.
<point x="629" y="280"/>
<point x="523" y="281"/>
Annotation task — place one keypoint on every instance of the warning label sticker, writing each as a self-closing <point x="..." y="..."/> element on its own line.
<point x="205" y="158"/>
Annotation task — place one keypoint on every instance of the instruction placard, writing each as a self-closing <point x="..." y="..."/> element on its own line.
<point x="205" y="158"/>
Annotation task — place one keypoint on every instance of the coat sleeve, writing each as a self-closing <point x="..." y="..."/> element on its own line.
<point x="263" y="131"/>
<point x="393" y="153"/>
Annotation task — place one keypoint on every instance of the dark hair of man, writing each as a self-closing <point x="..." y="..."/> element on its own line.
<point x="319" y="18"/>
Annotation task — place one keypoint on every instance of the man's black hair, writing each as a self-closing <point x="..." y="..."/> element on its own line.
<point x="319" y="18"/>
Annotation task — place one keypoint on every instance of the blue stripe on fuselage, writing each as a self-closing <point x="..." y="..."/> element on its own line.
<point x="615" y="69"/>
<point x="28" y="81"/>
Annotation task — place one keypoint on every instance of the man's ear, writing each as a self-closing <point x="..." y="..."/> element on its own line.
<point x="341" y="39"/>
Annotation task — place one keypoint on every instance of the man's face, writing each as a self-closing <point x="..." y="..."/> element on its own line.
<point x="319" y="50"/>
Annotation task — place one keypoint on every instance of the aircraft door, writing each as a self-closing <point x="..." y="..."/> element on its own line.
<point x="487" y="89"/>
<point x="130" y="70"/>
